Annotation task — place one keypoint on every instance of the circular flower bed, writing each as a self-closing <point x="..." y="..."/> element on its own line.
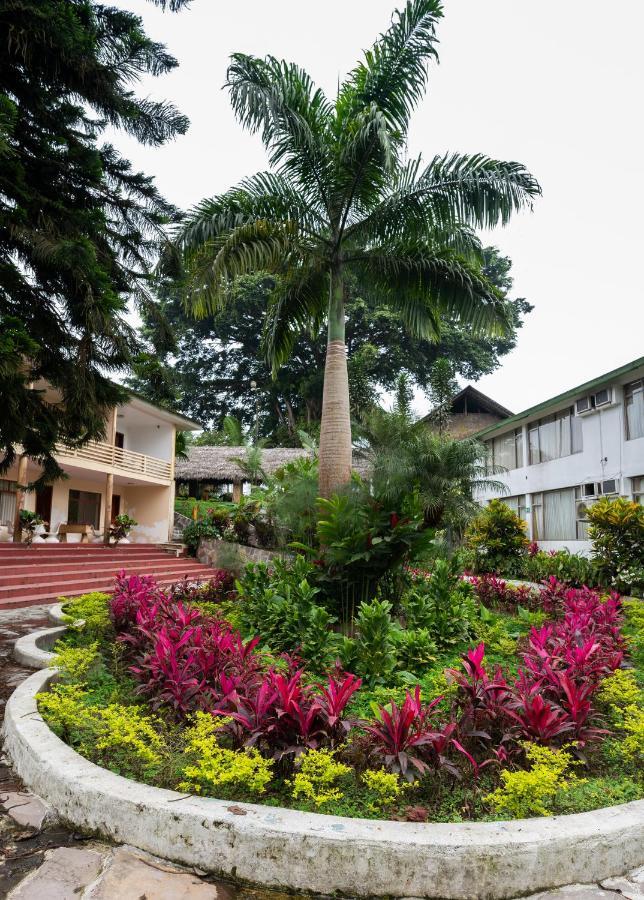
<point x="162" y="688"/>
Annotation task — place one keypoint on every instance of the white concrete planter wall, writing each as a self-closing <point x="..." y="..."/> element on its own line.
<point x="299" y="851"/>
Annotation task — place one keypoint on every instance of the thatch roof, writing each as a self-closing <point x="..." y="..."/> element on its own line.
<point x="219" y="463"/>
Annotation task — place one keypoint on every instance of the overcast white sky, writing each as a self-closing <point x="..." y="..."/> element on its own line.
<point x="556" y="86"/>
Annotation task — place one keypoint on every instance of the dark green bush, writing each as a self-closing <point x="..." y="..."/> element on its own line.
<point x="497" y="538"/>
<point x="617" y="533"/>
<point x="443" y="604"/>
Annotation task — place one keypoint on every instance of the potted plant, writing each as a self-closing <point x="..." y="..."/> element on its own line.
<point x="29" y="522"/>
<point x="121" y="527"/>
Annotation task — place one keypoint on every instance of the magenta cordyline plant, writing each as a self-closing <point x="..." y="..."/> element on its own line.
<point x="494" y="592"/>
<point x="129" y="592"/>
<point x="285" y="717"/>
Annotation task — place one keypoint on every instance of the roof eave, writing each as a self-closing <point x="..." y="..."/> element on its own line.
<point x="562" y="398"/>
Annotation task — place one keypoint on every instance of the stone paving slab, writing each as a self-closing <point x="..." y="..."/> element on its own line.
<point x="63" y="875"/>
<point x="127" y="875"/>
<point x="24" y="808"/>
<point x="626" y="886"/>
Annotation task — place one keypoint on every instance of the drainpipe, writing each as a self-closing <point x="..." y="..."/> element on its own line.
<point x="109" y="480"/>
<point x="528" y="496"/>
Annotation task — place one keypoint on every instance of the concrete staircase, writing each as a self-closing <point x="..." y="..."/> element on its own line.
<point x="43" y="572"/>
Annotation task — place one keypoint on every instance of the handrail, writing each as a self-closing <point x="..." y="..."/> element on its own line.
<point x="119" y="458"/>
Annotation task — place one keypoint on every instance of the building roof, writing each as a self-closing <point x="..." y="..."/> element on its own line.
<point x="183" y="423"/>
<point x="219" y="463"/>
<point x="485" y="403"/>
<point x="569" y="395"/>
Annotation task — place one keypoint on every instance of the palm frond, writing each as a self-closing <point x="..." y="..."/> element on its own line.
<point x="298" y="302"/>
<point x="257" y="246"/>
<point x="279" y="100"/>
<point x="264" y="196"/>
<point x="393" y="73"/>
<point x="424" y="283"/>
<point x="477" y="190"/>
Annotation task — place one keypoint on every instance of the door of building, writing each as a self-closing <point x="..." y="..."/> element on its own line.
<point x="43" y="502"/>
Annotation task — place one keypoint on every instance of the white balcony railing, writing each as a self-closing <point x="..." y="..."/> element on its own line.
<point x="119" y="458"/>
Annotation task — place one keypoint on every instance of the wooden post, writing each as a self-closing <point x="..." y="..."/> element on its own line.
<point x="237" y="491"/>
<point x="21" y="480"/>
<point x="109" y="480"/>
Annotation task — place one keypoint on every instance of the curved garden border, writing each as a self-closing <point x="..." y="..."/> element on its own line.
<point x="288" y="849"/>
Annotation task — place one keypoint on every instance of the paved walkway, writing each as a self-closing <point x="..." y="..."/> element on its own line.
<point x="42" y="861"/>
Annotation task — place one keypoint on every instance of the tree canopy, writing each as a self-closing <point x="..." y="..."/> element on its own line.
<point x="79" y="228"/>
<point x="207" y="371"/>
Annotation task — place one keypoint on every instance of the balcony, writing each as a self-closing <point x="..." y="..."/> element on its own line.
<point x="116" y="457"/>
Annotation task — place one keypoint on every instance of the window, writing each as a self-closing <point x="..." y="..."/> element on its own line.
<point x="634" y="402"/>
<point x="84" y="508"/>
<point x="7" y="501"/>
<point x="584" y="497"/>
<point x="637" y="487"/>
<point x="554" y="436"/>
<point x="553" y="516"/>
<point x="506" y="452"/>
<point x="517" y="505"/>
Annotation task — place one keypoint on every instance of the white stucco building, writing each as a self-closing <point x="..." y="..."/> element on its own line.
<point x="131" y="471"/>
<point x="561" y="455"/>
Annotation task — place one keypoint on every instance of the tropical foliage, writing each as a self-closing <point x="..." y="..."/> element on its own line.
<point x="340" y="201"/>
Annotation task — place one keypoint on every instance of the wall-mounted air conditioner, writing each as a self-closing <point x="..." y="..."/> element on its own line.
<point x="604" y="397"/>
<point x="581" y="510"/>
<point x="610" y="486"/>
<point x="583" y="406"/>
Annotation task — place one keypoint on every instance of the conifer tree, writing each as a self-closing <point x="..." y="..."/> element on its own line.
<point x="78" y="227"/>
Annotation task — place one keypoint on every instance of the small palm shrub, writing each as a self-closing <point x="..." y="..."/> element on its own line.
<point x="617" y="533"/>
<point x="497" y="538"/>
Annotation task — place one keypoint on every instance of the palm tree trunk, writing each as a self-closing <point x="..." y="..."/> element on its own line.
<point x="335" y="430"/>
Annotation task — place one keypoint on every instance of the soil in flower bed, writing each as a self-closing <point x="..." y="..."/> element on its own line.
<point x="539" y="711"/>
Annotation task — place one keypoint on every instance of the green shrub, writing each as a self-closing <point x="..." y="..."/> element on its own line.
<point x="497" y="537"/>
<point x="316" y="782"/>
<point x="634" y="630"/>
<point x="92" y="610"/>
<point x="213" y="769"/>
<point x="75" y="663"/>
<point x="567" y="567"/>
<point x="279" y="603"/>
<point x="532" y="792"/>
<point x="617" y="532"/>
<point x="415" y="649"/>
<point x="121" y="738"/>
<point x="371" y="654"/>
<point x="202" y="529"/>
<point x="442" y="604"/>
<point x="384" y="788"/>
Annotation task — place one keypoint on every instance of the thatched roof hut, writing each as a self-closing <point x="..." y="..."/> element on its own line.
<point x="209" y="467"/>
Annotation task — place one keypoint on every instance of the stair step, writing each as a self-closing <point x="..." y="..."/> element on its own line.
<point x="62" y="571"/>
<point x="58" y="585"/>
<point x="36" y="599"/>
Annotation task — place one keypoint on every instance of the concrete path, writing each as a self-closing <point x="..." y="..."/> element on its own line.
<point x="40" y="860"/>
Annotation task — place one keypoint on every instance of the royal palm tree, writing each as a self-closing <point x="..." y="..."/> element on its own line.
<point x="339" y="199"/>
